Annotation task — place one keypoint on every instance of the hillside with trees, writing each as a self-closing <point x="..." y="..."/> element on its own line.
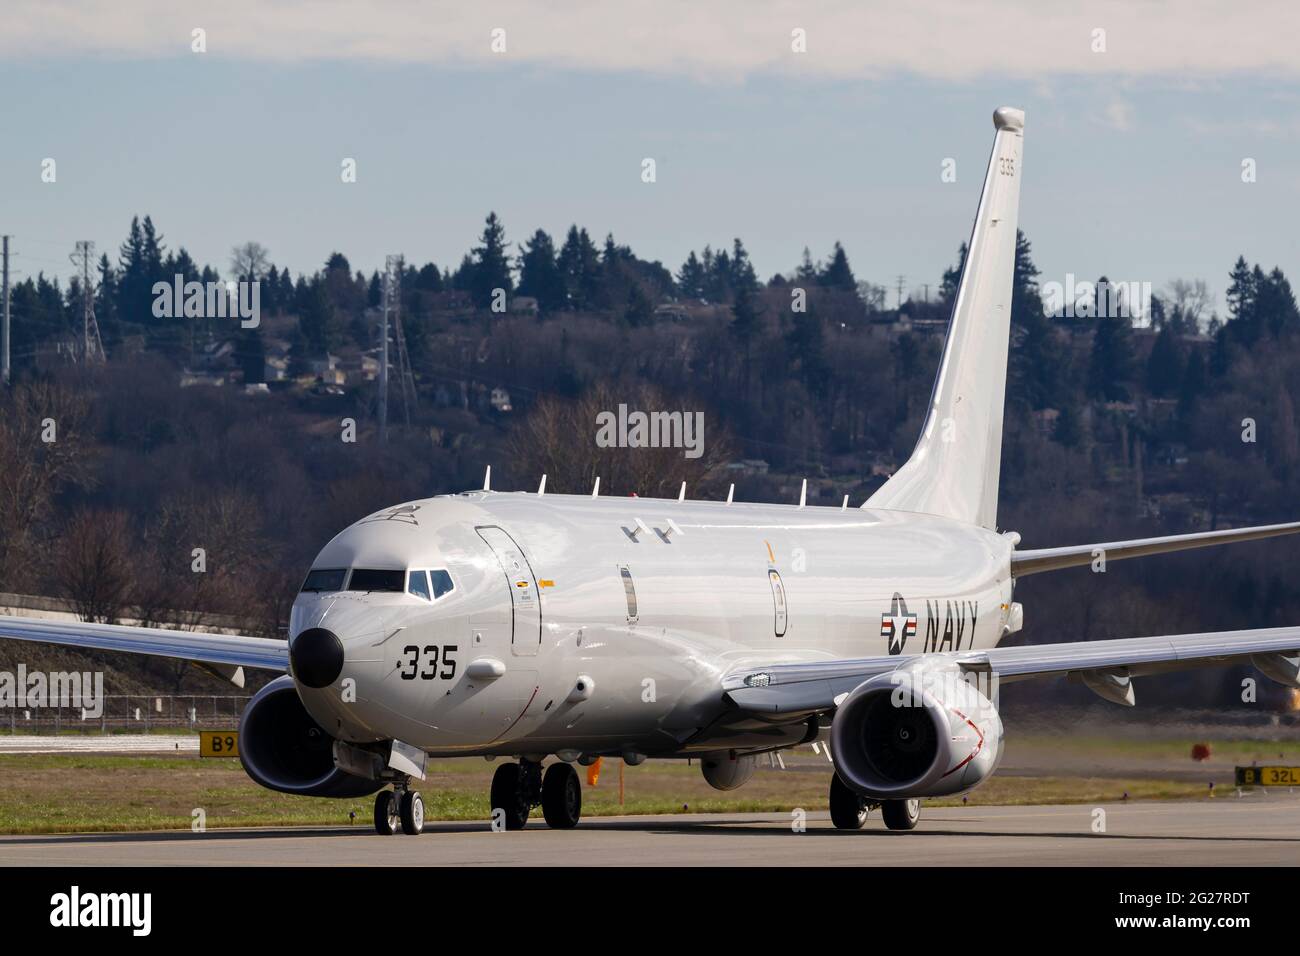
<point x="196" y="433"/>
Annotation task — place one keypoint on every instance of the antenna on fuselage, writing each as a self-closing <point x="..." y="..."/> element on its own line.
<point x="803" y="494"/>
<point x="731" y="491"/>
<point x="845" y="506"/>
<point x="541" y="488"/>
<point x="487" y="479"/>
<point x="681" y="495"/>
<point x="595" y="492"/>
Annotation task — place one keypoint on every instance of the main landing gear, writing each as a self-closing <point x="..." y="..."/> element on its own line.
<point x="519" y="787"/>
<point x="402" y="808"/>
<point x="849" y="809"/>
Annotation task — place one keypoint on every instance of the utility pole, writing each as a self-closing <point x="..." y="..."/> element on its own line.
<point x="4" y="333"/>
<point x="902" y="284"/>
<point x="393" y="266"/>
<point x="92" y="348"/>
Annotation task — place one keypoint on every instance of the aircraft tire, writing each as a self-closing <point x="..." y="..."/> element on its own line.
<point x="508" y="795"/>
<point x="561" y="797"/>
<point x="386" y="816"/>
<point x="412" y="813"/>
<point x="900" y="814"/>
<point x="848" y="810"/>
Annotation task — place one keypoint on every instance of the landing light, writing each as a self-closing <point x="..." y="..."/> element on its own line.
<point x="758" y="680"/>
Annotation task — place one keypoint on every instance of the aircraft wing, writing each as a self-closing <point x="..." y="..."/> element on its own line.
<point x="224" y="654"/>
<point x="815" y="686"/>
<point x="1049" y="559"/>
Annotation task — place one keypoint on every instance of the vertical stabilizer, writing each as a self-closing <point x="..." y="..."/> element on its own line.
<point x="954" y="468"/>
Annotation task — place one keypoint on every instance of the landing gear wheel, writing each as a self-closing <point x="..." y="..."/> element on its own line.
<point x="901" y="814"/>
<point x="386" y="813"/>
<point x="510" y="796"/>
<point x="561" y="797"/>
<point x="412" y="812"/>
<point x="848" y="810"/>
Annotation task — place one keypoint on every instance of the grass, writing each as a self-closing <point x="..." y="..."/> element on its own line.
<point x="57" y="793"/>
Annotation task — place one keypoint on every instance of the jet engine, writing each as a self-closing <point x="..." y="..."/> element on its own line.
<point x="923" y="731"/>
<point x="283" y="749"/>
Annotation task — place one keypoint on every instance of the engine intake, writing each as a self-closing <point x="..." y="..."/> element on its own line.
<point x="283" y="749"/>
<point x="918" y="732"/>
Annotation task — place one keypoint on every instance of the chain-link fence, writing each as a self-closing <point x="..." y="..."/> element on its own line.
<point x="120" y="713"/>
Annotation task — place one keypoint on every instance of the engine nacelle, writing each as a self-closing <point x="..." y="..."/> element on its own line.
<point x="283" y="749"/>
<point x="922" y="731"/>
<point x="722" y="771"/>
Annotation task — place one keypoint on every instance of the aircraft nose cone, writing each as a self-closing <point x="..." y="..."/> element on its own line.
<point x="316" y="656"/>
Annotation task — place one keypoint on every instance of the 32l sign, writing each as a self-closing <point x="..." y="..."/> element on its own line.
<point x="423" y="662"/>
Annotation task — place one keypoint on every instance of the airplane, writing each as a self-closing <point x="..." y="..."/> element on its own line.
<point x="531" y="625"/>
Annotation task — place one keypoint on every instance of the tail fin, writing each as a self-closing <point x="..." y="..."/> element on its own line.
<point x="954" y="468"/>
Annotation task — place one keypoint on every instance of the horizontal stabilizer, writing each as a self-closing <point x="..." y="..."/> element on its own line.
<point x="1050" y="559"/>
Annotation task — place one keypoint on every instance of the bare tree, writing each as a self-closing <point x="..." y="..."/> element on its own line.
<point x="1192" y="299"/>
<point x="559" y="439"/>
<point x="92" y="564"/>
<point x="249" y="260"/>
<point x="42" y="449"/>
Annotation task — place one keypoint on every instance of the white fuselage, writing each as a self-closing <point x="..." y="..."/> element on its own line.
<point x="606" y="592"/>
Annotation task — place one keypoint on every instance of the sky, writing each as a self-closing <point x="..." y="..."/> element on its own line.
<point x="789" y="125"/>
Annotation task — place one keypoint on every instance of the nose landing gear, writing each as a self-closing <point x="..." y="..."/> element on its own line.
<point x="519" y="787"/>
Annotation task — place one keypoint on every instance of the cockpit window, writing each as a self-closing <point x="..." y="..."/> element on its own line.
<point x="325" y="579"/>
<point x="441" y="582"/>
<point x="417" y="583"/>
<point x="368" y="579"/>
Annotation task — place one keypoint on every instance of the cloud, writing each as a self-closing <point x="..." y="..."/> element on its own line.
<point x="723" y="40"/>
<point x="1119" y="115"/>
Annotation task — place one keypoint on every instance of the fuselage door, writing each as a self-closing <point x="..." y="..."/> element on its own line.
<point x="525" y="604"/>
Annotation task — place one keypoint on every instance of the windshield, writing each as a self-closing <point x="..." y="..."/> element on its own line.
<point x="325" y="579"/>
<point x="368" y="579"/>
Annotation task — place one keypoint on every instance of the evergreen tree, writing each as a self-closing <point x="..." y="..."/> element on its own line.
<point x="491" y="263"/>
<point x="1193" y="386"/>
<point x="639" y="309"/>
<point x="320" y="322"/>
<point x="429" y="279"/>
<point x="539" y="273"/>
<point x="1038" y="362"/>
<point x="1241" y="290"/>
<point x="1275" y="304"/>
<point x="837" y="274"/>
<point x="744" y="318"/>
<point x="742" y="270"/>
<point x="806" y="274"/>
<point x="690" y="278"/>
<point x="808" y="348"/>
<point x="134" y="299"/>
<point x="580" y="266"/>
<point x="952" y="277"/>
<point x="1165" y="364"/>
<point x="1110" y="367"/>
